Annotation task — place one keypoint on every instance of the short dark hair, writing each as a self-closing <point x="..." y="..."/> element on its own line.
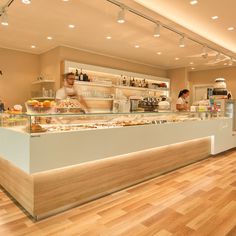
<point x="68" y="74"/>
<point x="182" y="92"/>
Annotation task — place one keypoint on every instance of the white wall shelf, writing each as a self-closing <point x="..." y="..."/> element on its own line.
<point x="43" y="81"/>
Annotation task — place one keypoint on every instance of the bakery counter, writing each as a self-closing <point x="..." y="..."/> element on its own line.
<point x="62" y="161"/>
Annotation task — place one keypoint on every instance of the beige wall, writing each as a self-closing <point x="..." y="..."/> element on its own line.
<point x="178" y="81"/>
<point x="49" y="64"/>
<point x="19" y="69"/>
<point x="208" y="77"/>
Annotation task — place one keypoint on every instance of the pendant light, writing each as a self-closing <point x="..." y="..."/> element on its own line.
<point x="182" y="42"/>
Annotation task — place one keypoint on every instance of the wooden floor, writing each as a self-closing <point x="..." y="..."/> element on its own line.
<point x="196" y="200"/>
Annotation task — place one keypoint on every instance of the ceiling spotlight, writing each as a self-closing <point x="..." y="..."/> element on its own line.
<point x="159" y="53"/>
<point x="177" y="58"/>
<point x="218" y="56"/>
<point x="230" y="28"/>
<point x="4" y="20"/>
<point x="71" y="26"/>
<point x="192" y="68"/>
<point x="136" y="46"/>
<point x="49" y="38"/>
<point x="33" y="46"/>
<point x="193" y="2"/>
<point x="182" y="42"/>
<point x="157" y="31"/>
<point x="26" y="1"/>
<point x="215" y="17"/>
<point x="108" y="37"/>
<point x="191" y="63"/>
<point x="121" y="16"/>
<point x="204" y="52"/>
<point x="230" y="63"/>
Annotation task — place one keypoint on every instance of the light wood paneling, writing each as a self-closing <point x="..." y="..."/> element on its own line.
<point x="196" y="200"/>
<point x="66" y="187"/>
<point x="18" y="184"/>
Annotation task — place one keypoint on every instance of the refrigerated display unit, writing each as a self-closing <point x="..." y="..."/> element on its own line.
<point x="227" y="108"/>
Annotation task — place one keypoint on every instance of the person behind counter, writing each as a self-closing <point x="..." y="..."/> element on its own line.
<point x="69" y="90"/>
<point x="182" y="104"/>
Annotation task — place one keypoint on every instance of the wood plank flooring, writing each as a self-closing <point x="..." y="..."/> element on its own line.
<point x="197" y="200"/>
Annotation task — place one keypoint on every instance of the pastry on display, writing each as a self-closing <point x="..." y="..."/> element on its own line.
<point x="17" y="109"/>
<point x="36" y="128"/>
<point x="35" y="107"/>
<point x="69" y="106"/>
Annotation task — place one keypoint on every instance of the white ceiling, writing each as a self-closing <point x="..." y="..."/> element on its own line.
<point x="197" y="18"/>
<point x="96" y="19"/>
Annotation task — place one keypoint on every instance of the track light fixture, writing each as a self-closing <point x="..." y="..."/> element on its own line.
<point x="218" y="56"/>
<point x="4" y="18"/>
<point x="204" y="52"/>
<point x="157" y="30"/>
<point x="121" y="16"/>
<point x="230" y="63"/>
<point x="121" y="19"/>
<point x="182" y="42"/>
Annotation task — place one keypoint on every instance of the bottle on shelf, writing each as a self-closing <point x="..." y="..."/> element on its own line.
<point x="76" y="74"/>
<point x="139" y="84"/>
<point x="124" y="81"/>
<point x="81" y="75"/>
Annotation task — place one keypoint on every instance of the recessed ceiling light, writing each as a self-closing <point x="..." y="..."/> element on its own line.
<point x="108" y="37"/>
<point x="177" y="58"/>
<point x="33" y="46"/>
<point x="71" y="26"/>
<point x="230" y="28"/>
<point x="191" y="63"/>
<point x="193" y="2"/>
<point x="225" y="64"/>
<point x="215" y="17"/>
<point x="26" y="1"/>
<point x="49" y="38"/>
<point x="192" y="68"/>
<point x="136" y="46"/>
<point x="159" y="53"/>
<point x="65" y="0"/>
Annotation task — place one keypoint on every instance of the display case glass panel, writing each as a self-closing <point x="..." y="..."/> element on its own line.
<point x="49" y="123"/>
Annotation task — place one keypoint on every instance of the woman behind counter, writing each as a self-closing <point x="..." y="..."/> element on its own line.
<point x="182" y="103"/>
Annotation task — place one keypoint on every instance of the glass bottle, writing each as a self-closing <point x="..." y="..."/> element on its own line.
<point x="81" y="75"/>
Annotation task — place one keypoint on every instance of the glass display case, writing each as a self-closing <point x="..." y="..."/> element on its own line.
<point x="49" y="123"/>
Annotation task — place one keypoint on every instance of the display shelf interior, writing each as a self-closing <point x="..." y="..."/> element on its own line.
<point x="112" y="78"/>
<point x="43" y="98"/>
<point x="43" y="81"/>
<point x="93" y="84"/>
<point x="141" y="89"/>
<point x="98" y="98"/>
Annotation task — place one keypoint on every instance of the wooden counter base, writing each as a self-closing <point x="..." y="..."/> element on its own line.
<point x="46" y="193"/>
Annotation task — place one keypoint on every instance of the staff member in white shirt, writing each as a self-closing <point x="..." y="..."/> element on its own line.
<point x="69" y="90"/>
<point x="182" y="104"/>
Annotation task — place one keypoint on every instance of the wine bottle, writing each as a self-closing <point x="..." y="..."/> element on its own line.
<point x="81" y="75"/>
